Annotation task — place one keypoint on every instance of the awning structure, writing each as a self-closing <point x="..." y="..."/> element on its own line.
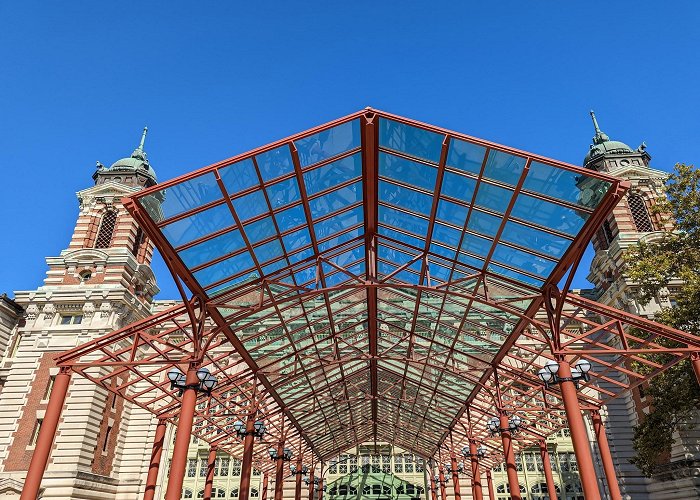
<point x="377" y="279"/>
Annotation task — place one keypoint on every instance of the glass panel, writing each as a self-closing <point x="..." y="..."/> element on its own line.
<point x="446" y="235"/>
<point x="402" y="220"/>
<point x="335" y="200"/>
<point x="451" y="212"/>
<point x="198" y="225"/>
<point x="229" y="267"/>
<point x="458" y="186"/>
<point x="260" y="230"/>
<point x="328" y="143"/>
<point x="405" y="197"/>
<point x="495" y="268"/>
<point x="565" y="185"/>
<point x="493" y="197"/>
<point x="391" y="233"/>
<point x="182" y="197"/>
<point x="523" y="261"/>
<point x="239" y="176"/>
<point x="291" y="217"/>
<point x="250" y="205"/>
<point x="332" y="174"/>
<point x="296" y="240"/>
<point x="411" y="140"/>
<point x="211" y="249"/>
<point x="275" y="163"/>
<point x="534" y="238"/>
<point x="546" y="214"/>
<point x="283" y="193"/>
<point x="337" y="223"/>
<point x="483" y="223"/>
<point x="338" y="240"/>
<point x="504" y="167"/>
<point x="407" y="171"/>
<point x="465" y="156"/>
<point x="475" y="245"/>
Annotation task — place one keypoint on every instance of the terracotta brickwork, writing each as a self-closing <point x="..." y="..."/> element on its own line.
<point x="20" y="453"/>
<point x="105" y="449"/>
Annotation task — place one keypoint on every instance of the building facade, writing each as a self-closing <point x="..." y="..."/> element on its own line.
<point x="103" y="281"/>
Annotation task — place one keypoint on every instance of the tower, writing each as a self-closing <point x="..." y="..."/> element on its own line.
<point x="100" y="282"/>
<point x="631" y="222"/>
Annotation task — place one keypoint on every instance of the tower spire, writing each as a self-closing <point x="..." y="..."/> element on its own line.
<point x="145" y="131"/>
<point x="600" y="136"/>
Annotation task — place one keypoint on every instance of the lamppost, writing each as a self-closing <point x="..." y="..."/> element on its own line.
<point x="206" y="381"/>
<point x="474" y="454"/>
<point x="480" y="452"/>
<point x="248" y="431"/>
<point x="304" y="470"/>
<point x="549" y="373"/>
<point x="258" y="429"/>
<point x="280" y="455"/>
<point x="506" y="428"/>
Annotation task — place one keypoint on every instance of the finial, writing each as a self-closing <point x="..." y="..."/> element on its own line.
<point x="595" y="123"/>
<point x="145" y="131"/>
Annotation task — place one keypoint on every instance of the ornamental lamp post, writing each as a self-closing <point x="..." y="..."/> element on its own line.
<point x="549" y="373"/>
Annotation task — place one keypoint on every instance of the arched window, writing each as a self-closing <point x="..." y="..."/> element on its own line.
<point x="200" y="494"/>
<point x="254" y="493"/>
<point x="104" y="235"/>
<point x="640" y="214"/>
<point x="503" y="492"/>
<point x="187" y="494"/>
<point x="539" y="491"/>
<point x="234" y="494"/>
<point x="219" y="493"/>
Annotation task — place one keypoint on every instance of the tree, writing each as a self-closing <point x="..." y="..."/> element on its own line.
<point x="674" y="258"/>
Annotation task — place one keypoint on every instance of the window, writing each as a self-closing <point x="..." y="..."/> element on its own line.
<point x="539" y="491"/>
<point x="236" y="467"/>
<point x="202" y="467"/>
<point x="192" y="467"/>
<point x="519" y="462"/>
<point x="187" y="494"/>
<point x="71" y="319"/>
<point x="530" y="462"/>
<point x="398" y="463"/>
<point x="608" y="232"/>
<point x="49" y="388"/>
<point x="104" y="235"/>
<point x="574" y="491"/>
<point x="200" y="494"/>
<point x="138" y="240"/>
<point x="234" y="494"/>
<point x="408" y="463"/>
<point x="85" y="276"/>
<point x="640" y="214"/>
<point x="254" y="493"/>
<point x="223" y="466"/>
<point x="386" y="464"/>
<point x="106" y="441"/>
<point x="35" y="432"/>
<point x="219" y="493"/>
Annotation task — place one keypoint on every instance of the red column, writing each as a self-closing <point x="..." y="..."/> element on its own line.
<point x="508" y="452"/>
<point x="578" y="433"/>
<point x="209" y="482"/>
<point x="297" y="490"/>
<point x="311" y="484"/>
<point x="478" y="492"/>
<point x="455" y="477"/>
<point x="489" y="481"/>
<point x="443" y="490"/>
<point x="279" y="473"/>
<point x="695" y="359"/>
<point x="40" y="457"/>
<point x="264" y="487"/>
<point x="182" y="440"/>
<point x="433" y="488"/>
<point x="247" y="462"/>
<point x="320" y="489"/>
<point x="154" y="466"/>
<point x="544" y="455"/>
<point x="605" y="456"/>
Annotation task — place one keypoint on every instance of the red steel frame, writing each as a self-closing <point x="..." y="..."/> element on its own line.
<point x="373" y="394"/>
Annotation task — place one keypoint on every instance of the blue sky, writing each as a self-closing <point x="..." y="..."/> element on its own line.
<point x="79" y="80"/>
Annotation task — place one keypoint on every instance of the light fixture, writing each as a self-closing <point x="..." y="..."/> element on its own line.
<point x="286" y="455"/>
<point x="178" y="380"/>
<point x="448" y="468"/>
<point x="514" y="425"/>
<point x="258" y="429"/>
<point x="303" y="471"/>
<point x="480" y="452"/>
<point x="549" y="373"/>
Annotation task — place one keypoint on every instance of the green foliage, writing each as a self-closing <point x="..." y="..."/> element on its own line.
<point x="674" y="259"/>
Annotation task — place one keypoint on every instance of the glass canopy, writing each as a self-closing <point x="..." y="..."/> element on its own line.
<point x="397" y="262"/>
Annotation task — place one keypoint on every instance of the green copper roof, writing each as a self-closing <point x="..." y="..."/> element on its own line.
<point x="603" y="145"/>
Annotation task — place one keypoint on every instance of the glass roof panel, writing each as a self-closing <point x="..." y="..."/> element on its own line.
<point x="452" y="212"/>
<point x="338" y="222"/>
<point x="523" y="260"/>
<point x="332" y="174"/>
<point x="239" y="176"/>
<point x="458" y="186"/>
<point x="211" y="249"/>
<point x="504" y="167"/>
<point x="250" y="205"/>
<point x="198" y="225"/>
<point x="405" y="198"/>
<point x="183" y="197"/>
<point x="565" y="185"/>
<point x="547" y="214"/>
<point x="332" y="142"/>
<point x="407" y="171"/>
<point x="417" y="142"/>
<point x="465" y="156"/>
<point x="335" y="200"/>
<point x="275" y="163"/>
<point x="495" y="268"/>
<point x="536" y="239"/>
<point x="493" y="197"/>
<point x="291" y="217"/>
<point x="229" y="267"/>
<point x="447" y="235"/>
<point x="405" y="221"/>
<point x="338" y="239"/>
<point x="283" y="193"/>
<point x="260" y="230"/>
<point x="268" y="251"/>
<point x="484" y="223"/>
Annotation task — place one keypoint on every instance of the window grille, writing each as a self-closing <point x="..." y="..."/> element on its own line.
<point x="607" y="231"/>
<point x="138" y="240"/>
<point x="640" y="214"/>
<point x="104" y="235"/>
